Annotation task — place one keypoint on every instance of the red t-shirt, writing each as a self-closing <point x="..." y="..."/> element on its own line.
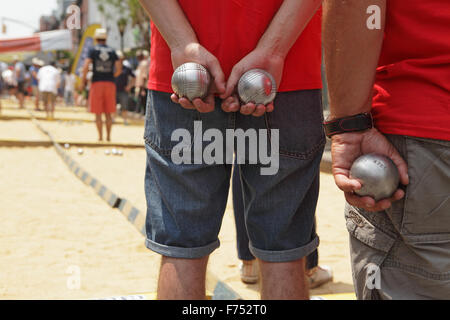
<point x="230" y="29"/>
<point x="412" y="88"/>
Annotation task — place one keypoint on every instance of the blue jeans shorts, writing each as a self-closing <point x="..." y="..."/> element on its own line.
<point x="186" y="201"/>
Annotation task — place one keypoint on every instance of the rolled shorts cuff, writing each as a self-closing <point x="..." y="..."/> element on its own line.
<point x="285" y="255"/>
<point x="182" y="253"/>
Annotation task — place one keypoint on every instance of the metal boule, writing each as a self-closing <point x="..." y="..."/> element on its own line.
<point x="257" y="86"/>
<point x="378" y="175"/>
<point x="191" y="80"/>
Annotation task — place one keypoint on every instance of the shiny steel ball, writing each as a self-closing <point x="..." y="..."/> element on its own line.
<point x="80" y="151"/>
<point x="191" y="80"/>
<point x="378" y="174"/>
<point x="66" y="145"/>
<point x="257" y="86"/>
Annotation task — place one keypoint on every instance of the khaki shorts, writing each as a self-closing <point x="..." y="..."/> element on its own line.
<point x="48" y="97"/>
<point x="404" y="252"/>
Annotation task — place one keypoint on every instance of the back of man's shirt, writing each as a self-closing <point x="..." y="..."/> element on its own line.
<point x="103" y="59"/>
<point x="412" y="88"/>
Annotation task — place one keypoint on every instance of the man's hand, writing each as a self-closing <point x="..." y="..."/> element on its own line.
<point x="194" y="52"/>
<point x="258" y="58"/>
<point x="346" y="147"/>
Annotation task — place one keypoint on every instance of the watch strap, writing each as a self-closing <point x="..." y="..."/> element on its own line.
<point x="357" y="122"/>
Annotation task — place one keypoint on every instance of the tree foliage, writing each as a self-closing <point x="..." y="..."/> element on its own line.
<point x="128" y="11"/>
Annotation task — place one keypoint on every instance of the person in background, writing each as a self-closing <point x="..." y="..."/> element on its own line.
<point x="49" y="81"/>
<point x="34" y="69"/>
<point x="19" y="74"/>
<point x="102" y="95"/>
<point x="124" y="83"/>
<point x="316" y="274"/>
<point x="69" y="89"/>
<point x="141" y="80"/>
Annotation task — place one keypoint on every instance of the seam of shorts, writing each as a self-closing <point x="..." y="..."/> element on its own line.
<point x="156" y="148"/>
<point x="182" y="253"/>
<point x="389" y="263"/>
<point x="285" y="255"/>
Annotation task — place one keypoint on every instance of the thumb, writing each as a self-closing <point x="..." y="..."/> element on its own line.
<point x="235" y="75"/>
<point x="217" y="75"/>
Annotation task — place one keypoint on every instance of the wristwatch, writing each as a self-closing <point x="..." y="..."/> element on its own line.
<point x="357" y="122"/>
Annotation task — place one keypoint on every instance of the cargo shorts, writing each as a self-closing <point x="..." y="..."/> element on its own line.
<point x="404" y="252"/>
<point x="186" y="201"/>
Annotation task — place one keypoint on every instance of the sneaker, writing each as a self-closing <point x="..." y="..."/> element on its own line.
<point x="319" y="276"/>
<point x="249" y="271"/>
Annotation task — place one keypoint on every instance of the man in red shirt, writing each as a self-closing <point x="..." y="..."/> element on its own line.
<point x="186" y="202"/>
<point x="391" y="59"/>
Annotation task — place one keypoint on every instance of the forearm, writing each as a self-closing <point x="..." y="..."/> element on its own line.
<point x="287" y="25"/>
<point x="352" y="52"/>
<point x="85" y="69"/>
<point x="171" y="22"/>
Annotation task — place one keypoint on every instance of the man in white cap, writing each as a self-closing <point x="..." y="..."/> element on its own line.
<point x="102" y="94"/>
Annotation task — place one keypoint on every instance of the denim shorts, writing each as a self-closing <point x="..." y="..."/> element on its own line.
<point x="186" y="201"/>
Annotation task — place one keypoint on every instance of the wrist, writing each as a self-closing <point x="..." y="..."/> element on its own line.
<point x="355" y="123"/>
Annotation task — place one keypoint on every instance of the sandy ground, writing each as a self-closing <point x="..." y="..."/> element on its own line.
<point x="53" y="223"/>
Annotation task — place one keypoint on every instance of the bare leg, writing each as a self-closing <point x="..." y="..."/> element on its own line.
<point x="283" y="280"/>
<point x="108" y="126"/>
<point x="21" y="99"/>
<point x="182" y="279"/>
<point x="99" y="124"/>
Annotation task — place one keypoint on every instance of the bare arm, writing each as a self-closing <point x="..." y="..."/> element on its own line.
<point x="174" y="27"/>
<point x="118" y="68"/>
<point x="287" y="25"/>
<point x="352" y="52"/>
<point x="87" y="62"/>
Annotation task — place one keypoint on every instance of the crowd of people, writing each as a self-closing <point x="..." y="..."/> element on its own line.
<point x="47" y="84"/>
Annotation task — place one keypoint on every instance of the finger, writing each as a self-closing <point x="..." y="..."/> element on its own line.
<point x="218" y="75"/>
<point x="231" y="104"/>
<point x="204" y="106"/>
<point x="248" y="109"/>
<point x="346" y="184"/>
<point x="233" y="79"/>
<point x="260" y="110"/>
<point x="401" y="166"/>
<point x="174" y="98"/>
<point x="185" y="103"/>
<point x="270" y="107"/>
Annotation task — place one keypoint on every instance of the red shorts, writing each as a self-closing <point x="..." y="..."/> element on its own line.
<point x="102" y="97"/>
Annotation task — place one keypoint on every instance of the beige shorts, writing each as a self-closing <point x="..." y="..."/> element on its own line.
<point x="404" y="252"/>
<point x="48" y="97"/>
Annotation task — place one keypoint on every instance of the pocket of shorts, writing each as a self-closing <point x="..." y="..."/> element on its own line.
<point x="360" y="228"/>
<point x="163" y="118"/>
<point x="427" y="201"/>
<point x="298" y="116"/>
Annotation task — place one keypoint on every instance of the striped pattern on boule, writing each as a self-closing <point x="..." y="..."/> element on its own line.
<point x="257" y="86"/>
<point x="191" y="80"/>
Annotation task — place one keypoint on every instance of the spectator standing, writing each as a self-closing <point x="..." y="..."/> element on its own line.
<point x="49" y="81"/>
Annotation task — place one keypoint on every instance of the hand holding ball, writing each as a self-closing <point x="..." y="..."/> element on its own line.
<point x="191" y="80"/>
<point x="378" y="175"/>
